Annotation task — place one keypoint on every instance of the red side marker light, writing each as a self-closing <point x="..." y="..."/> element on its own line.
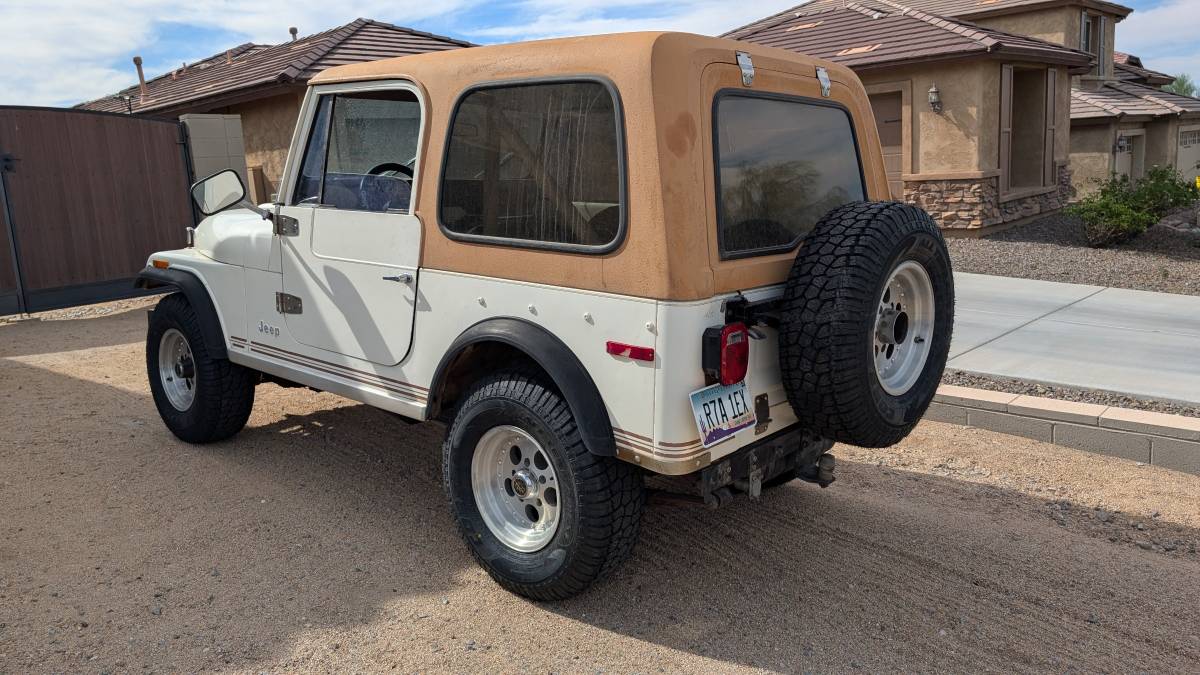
<point x="631" y="351"/>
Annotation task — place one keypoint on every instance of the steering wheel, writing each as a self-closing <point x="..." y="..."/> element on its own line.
<point x="392" y="168"/>
<point x="375" y="195"/>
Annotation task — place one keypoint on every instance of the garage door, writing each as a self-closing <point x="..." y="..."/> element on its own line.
<point x="888" y="109"/>
<point x="1189" y="152"/>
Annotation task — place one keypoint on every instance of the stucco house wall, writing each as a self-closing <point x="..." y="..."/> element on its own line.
<point x="267" y="126"/>
<point x="1162" y="141"/>
<point x="951" y="162"/>
<point x="1056" y="24"/>
<point x="1091" y="155"/>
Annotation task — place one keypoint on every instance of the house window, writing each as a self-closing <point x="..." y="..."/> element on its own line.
<point x="1029" y="124"/>
<point x="537" y="164"/>
<point x="1092" y="28"/>
<point x="1027" y="128"/>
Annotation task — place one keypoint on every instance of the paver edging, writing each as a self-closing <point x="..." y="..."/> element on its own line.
<point x="1108" y="430"/>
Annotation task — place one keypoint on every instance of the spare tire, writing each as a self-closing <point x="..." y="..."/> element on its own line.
<point x="865" y="323"/>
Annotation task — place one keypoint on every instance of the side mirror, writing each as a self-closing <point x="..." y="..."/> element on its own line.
<point x="218" y="192"/>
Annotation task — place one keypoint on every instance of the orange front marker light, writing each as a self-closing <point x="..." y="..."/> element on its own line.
<point x="631" y="351"/>
<point x="160" y="264"/>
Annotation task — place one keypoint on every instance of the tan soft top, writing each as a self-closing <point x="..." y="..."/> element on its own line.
<point x="666" y="83"/>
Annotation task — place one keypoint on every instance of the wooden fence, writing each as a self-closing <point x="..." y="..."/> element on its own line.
<point x="85" y="197"/>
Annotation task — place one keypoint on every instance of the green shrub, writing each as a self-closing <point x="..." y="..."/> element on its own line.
<point x="1108" y="221"/>
<point x="1122" y="209"/>
<point x="1162" y="190"/>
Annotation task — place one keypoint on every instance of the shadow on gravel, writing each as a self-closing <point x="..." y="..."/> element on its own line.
<point x="221" y="556"/>
<point x="62" y="335"/>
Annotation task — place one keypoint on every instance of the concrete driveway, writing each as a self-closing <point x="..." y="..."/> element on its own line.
<point x="1133" y="342"/>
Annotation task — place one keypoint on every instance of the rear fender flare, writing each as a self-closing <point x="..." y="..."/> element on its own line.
<point x="554" y="357"/>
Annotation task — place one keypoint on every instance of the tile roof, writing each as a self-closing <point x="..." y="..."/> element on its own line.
<point x="959" y="8"/>
<point x="1129" y="67"/>
<point x="870" y="33"/>
<point x="249" y="65"/>
<point x="1126" y="99"/>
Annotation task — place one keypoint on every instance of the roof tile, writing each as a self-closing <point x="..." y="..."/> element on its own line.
<point x="1119" y="99"/>
<point x="902" y="32"/>
<point x="249" y="65"/>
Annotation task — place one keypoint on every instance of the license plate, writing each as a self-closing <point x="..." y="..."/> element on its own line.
<point x="721" y="411"/>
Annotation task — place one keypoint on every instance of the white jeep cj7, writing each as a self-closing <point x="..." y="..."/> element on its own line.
<point x="592" y="258"/>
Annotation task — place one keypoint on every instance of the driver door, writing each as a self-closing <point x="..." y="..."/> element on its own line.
<point x="350" y="274"/>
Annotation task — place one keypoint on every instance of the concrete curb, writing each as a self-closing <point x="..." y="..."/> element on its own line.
<point x="1169" y="441"/>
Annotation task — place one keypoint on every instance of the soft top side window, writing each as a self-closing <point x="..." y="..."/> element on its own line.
<point x="537" y="164"/>
<point x="781" y="162"/>
<point x="362" y="151"/>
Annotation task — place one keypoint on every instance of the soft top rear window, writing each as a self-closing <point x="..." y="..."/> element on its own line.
<point x="781" y="163"/>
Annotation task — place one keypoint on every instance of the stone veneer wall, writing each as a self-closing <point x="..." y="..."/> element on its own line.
<point x="967" y="204"/>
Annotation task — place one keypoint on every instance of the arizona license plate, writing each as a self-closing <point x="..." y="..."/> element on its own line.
<point x="721" y="411"/>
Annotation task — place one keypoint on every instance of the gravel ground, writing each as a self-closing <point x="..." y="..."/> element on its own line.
<point x="1054" y="249"/>
<point x="85" y="311"/>
<point x="318" y="540"/>
<point x="1011" y="386"/>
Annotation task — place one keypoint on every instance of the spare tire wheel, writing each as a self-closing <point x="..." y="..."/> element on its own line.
<point x="865" y="323"/>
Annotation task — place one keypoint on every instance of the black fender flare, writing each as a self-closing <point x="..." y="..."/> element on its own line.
<point x="197" y="296"/>
<point x="556" y="359"/>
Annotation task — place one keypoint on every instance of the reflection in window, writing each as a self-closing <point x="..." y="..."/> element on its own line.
<point x="362" y="152"/>
<point x="781" y="166"/>
<point x="535" y="162"/>
<point x="308" y="183"/>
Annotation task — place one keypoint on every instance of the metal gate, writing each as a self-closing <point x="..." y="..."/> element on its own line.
<point x="85" y="197"/>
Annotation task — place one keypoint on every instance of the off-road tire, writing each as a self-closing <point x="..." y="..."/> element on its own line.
<point x="828" y="322"/>
<point x="224" y="391"/>
<point x="601" y="498"/>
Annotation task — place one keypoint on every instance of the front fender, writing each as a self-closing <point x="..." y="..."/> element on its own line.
<point x="197" y="296"/>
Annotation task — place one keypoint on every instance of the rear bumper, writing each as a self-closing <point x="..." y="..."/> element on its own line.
<point x="792" y="450"/>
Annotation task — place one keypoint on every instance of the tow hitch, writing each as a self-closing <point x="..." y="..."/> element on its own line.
<point x="790" y="453"/>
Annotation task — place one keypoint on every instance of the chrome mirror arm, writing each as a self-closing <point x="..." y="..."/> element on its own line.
<point x="266" y="215"/>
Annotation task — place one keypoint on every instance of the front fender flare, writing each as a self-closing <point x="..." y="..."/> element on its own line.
<point x="558" y="361"/>
<point x="197" y="296"/>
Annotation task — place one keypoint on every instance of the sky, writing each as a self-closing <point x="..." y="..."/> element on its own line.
<point x="62" y="52"/>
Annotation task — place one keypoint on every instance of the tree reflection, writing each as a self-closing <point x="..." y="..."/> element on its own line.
<point x="769" y="205"/>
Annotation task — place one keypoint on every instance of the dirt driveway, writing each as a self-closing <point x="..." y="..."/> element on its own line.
<point x="318" y="540"/>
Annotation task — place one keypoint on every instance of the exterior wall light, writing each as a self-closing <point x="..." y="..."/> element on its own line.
<point x="935" y="99"/>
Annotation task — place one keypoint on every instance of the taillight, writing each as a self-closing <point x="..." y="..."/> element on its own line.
<point x="726" y="353"/>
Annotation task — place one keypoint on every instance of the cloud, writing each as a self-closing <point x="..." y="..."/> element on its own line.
<point x="61" y="52"/>
<point x="1164" y="36"/>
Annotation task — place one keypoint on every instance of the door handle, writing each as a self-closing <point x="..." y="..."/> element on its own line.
<point x="403" y="277"/>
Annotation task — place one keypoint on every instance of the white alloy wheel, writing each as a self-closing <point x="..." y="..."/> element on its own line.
<point x="515" y="488"/>
<point x="904" y="327"/>
<point x="177" y="369"/>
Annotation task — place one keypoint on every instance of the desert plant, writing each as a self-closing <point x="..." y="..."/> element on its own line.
<point x="1108" y="214"/>
<point x="1122" y="209"/>
<point x="1163" y="190"/>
